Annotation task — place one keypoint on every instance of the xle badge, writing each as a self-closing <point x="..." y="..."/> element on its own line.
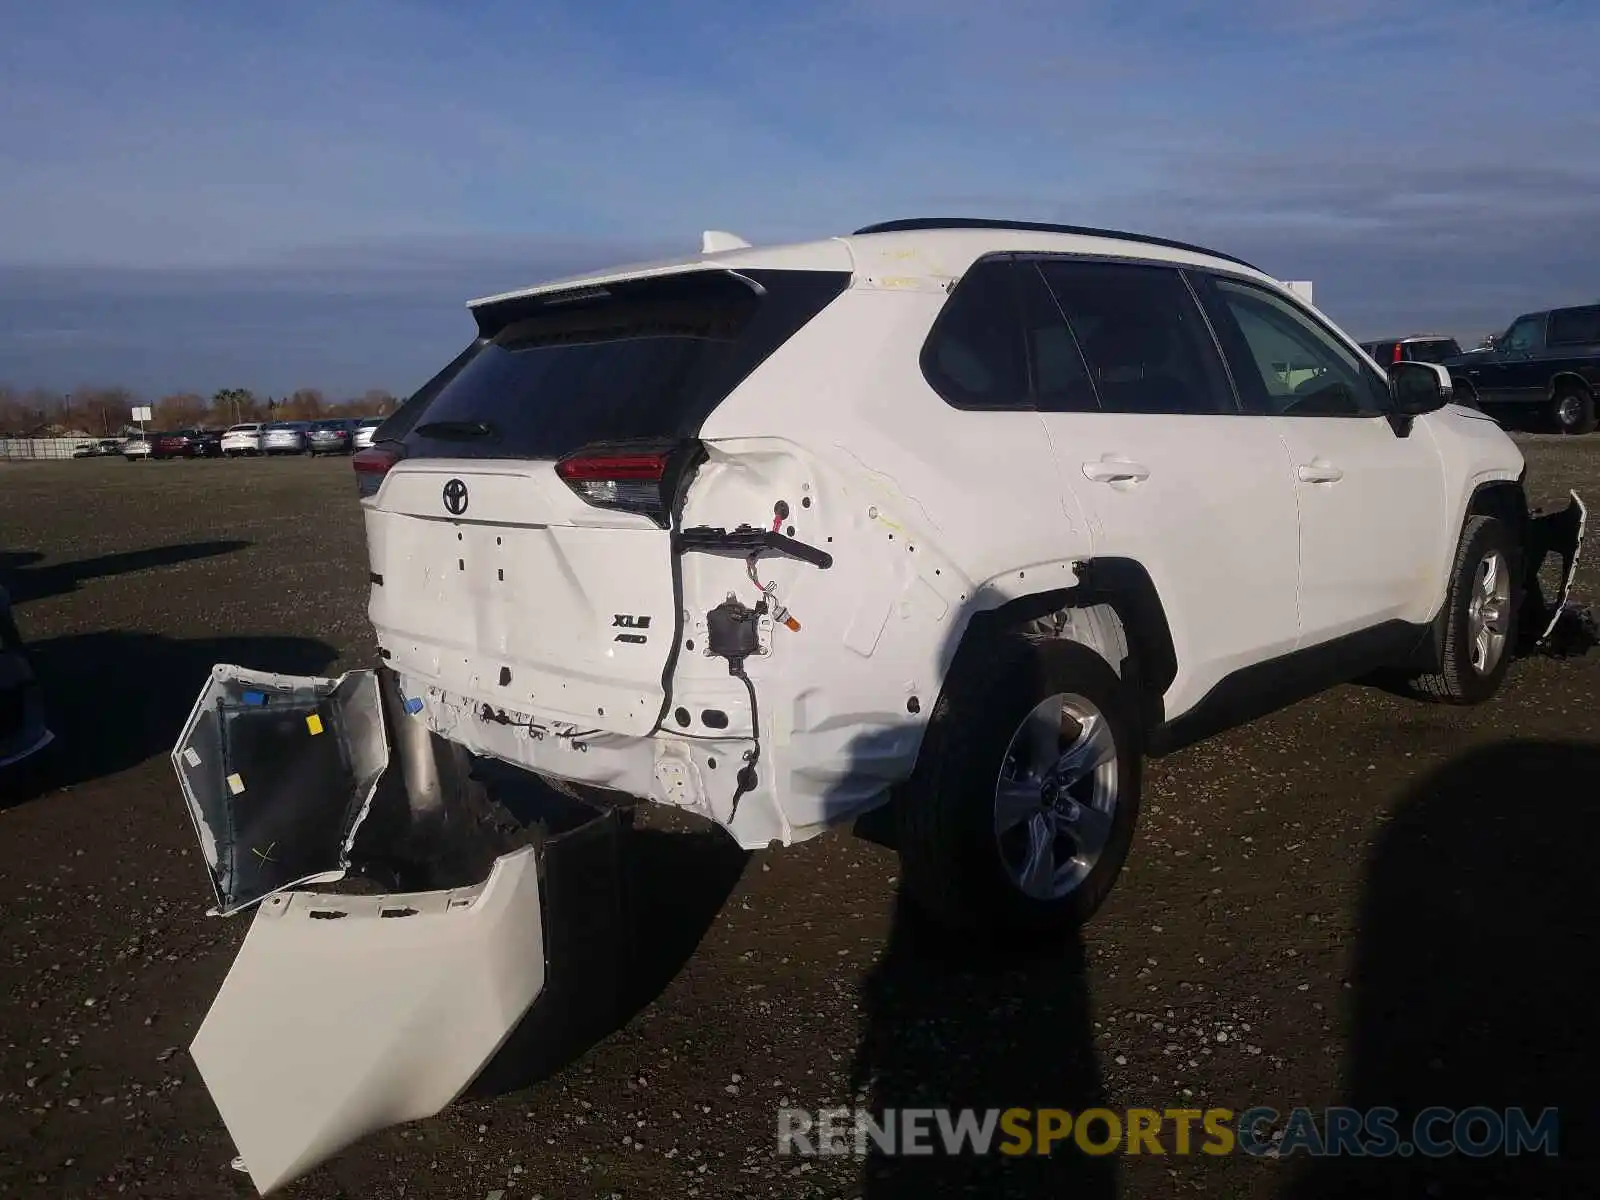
<point x="455" y="497"/>
<point x="625" y="621"/>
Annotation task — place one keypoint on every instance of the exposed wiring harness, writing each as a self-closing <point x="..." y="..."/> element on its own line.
<point x="746" y="779"/>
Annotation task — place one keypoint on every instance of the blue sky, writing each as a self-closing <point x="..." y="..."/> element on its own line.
<point x="196" y="195"/>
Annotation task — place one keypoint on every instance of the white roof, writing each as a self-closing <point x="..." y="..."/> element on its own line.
<point x="900" y="258"/>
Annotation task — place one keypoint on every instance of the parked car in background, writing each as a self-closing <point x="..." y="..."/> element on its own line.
<point x="1419" y="347"/>
<point x="242" y="439"/>
<point x="100" y="449"/>
<point x="187" y="443"/>
<point x="23" y="732"/>
<point x="139" y="446"/>
<point x="284" y="437"/>
<point x="331" y="436"/>
<point x="364" y="430"/>
<point x="1548" y="361"/>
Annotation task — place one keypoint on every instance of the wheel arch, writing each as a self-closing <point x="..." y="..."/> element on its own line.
<point x="1563" y="379"/>
<point x="1124" y="619"/>
<point x="1503" y="499"/>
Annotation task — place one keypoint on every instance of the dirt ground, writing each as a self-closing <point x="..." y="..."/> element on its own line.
<point x="1360" y="900"/>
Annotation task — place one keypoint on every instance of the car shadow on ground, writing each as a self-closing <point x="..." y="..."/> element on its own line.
<point x="1472" y="973"/>
<point x="954" y="1025"/>
<point x="114" y="699"/>
<point x="627" y="910"/>
<point x="963" y="1022"/>
<point x="25" y="579"/>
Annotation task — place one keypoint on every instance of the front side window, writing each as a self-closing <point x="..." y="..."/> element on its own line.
<point x="1142" y="337"/>
<point x="1526" y="333"/>
<point x="1285" y="363"/>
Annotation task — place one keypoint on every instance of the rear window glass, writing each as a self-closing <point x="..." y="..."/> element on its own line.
<point x="1432" y="350"/>
<point x="1574" y="326"/>
<point x="643" y="359"/>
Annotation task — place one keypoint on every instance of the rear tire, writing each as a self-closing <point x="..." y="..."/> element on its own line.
<point x="990" y="843"/>
<point x="1572" y="410"/>
<point x="1479" y="616"/>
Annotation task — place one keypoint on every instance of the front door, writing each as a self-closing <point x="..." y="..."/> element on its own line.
<point x="1370" y="490"/>
<point x="1511" y="372"/>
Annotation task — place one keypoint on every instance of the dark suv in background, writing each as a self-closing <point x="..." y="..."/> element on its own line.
<point x="1547" y="360"/>
<point x="1420" y="347"/>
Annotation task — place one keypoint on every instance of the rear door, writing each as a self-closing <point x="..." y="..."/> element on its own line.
<point x="521" y="548"/>
<point x="1149" y="434"/>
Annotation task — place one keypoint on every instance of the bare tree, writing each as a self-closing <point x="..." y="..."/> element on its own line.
<point x="180" y="411"/>
<point x="104" y="410"/>
<point x="306" y="404"/>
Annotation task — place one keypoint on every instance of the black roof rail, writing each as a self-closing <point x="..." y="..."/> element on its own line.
<point x="913" y="224"/>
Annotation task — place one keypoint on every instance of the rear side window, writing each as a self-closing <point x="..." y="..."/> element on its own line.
<point x="974" y="355"/>
<point x="1060" y="376"/>
<point x="640" y="360"/>
<point x="1574" y="327"/>
<point x="1143" y="338"/>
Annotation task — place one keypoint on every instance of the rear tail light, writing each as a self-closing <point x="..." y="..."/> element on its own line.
<point x="643" y="481"/>
<point x="371" y="465"/>
<point x="1399" y="353"/>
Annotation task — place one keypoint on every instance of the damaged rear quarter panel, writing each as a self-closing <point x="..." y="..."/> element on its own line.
<point x="930" y="513"/>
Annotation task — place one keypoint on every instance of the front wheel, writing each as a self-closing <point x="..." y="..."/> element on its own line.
<point x="1022" y="808"/>
<point x="1572" y="410"/>
<point x="1479" y="617"/>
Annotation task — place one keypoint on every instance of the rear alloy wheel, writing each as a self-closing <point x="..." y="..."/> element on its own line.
<point x="1056" y="796"/>
<point x="1022" y="808"/>
<point x="1479" y="616"/>
<point x="1572" y="409"/>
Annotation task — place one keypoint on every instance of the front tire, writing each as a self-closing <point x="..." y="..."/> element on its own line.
<point x="1572" y="410"/>
<point x="1022" y="807"/>
<point x="1479" y="616"/>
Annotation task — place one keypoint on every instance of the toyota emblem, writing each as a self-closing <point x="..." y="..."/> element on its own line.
<point x="455" y="497"/>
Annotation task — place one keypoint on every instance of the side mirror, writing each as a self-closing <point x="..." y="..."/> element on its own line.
<point x="1419" y="387"/>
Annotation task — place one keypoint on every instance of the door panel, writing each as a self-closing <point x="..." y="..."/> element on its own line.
<point x="1372" y="516"/>
<point x="1512" y="372"/>
<point x="1206" y="505"/>
<point x="1370" y="494"/>
<point x="1149" y="438"/>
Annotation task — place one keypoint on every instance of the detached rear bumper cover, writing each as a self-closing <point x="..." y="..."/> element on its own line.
<point x="342" y="1014"/>
<point x="278" y="772"/>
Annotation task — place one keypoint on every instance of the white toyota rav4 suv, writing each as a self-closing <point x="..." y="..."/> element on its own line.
<point x="968" y="514"/>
